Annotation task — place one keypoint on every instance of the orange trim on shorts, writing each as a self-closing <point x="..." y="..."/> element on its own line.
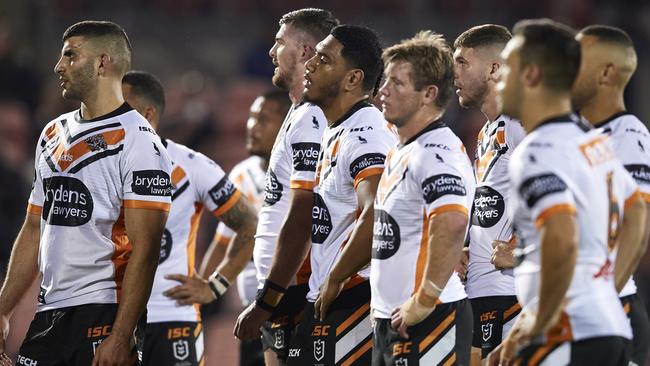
<point x="228" y="205"/>
<point x="633" y="198"/>
<point x="368" y="172"/>
<point x="198" y="330"/>
<point x="451" y="360"/>
<point x="177" y="175"/>
<point x="34" y="209"/>
<point x="552" y="211"/>
<point x="436" y="332"/>
<point x="513" y="309"/>
<point x="352" y="318"/>
<point x="561" y="331"/>
<point x="302" y="184"/>
<point x="147" y="205"/>
<point x="358" y="353"/>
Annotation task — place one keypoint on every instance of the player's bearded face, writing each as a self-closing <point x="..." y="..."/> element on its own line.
<point x="76" y="69"/>
<point x="585" y="86"/>
<point x="399" y="99"/>
<point x="471" y="82"/>
<point x="284" y="55"/>
<point x="324" y="72"/>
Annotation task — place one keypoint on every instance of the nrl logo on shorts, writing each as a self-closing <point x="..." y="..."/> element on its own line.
<point x="319" y="349"/>
<point x="181" y="349"/>
<point x="402" y="362"/>
<point x="96" y="142"/>
<point x="487" y="331"/>
<point x="279" y="338"/>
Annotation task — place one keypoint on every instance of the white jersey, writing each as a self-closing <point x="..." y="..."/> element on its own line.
<point x="630" y="140"/>
<point x="197" y="183"/>
<point x="558" y="168"/>
<point x="496" y="142"/>
<point x="249" y="177"/>
<point x="353" y="149"/>
<point x="292" y="165"/>
<point x="86" y="173"/>
<point x="430" y="174"/>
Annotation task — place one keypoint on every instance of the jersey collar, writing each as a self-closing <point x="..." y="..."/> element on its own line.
<point x="438" y="123"/>
<point x="360" y="104"/>
<point x="125" y="107"/>
<point x="565" y="118"/>
<point x="611" y="118"/>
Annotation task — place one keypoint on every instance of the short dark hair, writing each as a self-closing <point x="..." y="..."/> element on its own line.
<point x="553" y="48"/>
<point x="115" y="39"/>
<point x="362" y="50"/>
<point x="608" y="34"/>
<point x="317" y="23"/>
<point x="147" y="86"/>
<point x="279" y="96"/>
<point x="483" y="36"/>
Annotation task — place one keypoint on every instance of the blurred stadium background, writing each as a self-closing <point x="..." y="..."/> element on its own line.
<point x="212" y="57"/>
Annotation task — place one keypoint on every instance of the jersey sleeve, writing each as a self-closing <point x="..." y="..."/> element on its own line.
<point x="216" y="190"/>
<point x="146" y="169"/>
<point x="442" y="185"/>
<point x="304" y="145"/>
<point x="364" y="154"/>
<point x="36" y="196"/>
<point x="542" y="189"/>
<point x="634" y="153"/>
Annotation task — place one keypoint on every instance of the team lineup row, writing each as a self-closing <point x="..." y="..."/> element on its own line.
<point x="356" y="217"/>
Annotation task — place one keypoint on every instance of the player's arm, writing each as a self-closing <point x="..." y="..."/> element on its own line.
<point x="290" y="252"/>
<point x="447" y="229"/>
<point x="22" y="271"/>
<point x="242" y="219"/>
<point x="356" y="254"/>
<point x="144" y="228"/>
<point x="632" y="240"/>
<point x="215" y="253"/>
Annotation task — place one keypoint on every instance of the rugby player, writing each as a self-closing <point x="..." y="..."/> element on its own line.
<point x="572" y="200"/>
<point x="174" y="333"/>
<point x="491" y="290"/>
<point x="609" y="61"/>
<point x="341" y="79"/>
<point x="422" y="209"/>
<point x="99" y="201"/>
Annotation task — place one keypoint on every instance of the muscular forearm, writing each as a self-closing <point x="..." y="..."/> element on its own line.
<point x="239" y="251"/>
<point x="293" y="241"/>
<point x="632" y="242"/>
<point x="357" y="252"/>
<point x="23" y="265"/>
<point x="559" y="246"/>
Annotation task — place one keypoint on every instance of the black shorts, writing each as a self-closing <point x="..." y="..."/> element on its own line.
<point x="277" y="331"/>
<point x="250" y="353"/>
<point x="637" y="349"/>
<point x="67" y="336"/>
<point x="443" y="338"/>
<point x="345" y="337"/>
<point x="493" y="318"/>
<point x="600" y="351"/>
<point x="174" y="344"/>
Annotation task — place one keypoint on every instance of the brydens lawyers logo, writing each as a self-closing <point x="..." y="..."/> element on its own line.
<point x="488" y="207"/>
<point x="166" y="243"/>
<point x="386" y="235"/>
<point x="67" y="201"/>
<point x="442" y="184"/>
<point x="222" y="191"/>
<point x="272" y="189"/>
<point x="305" y="156"/>
<point x="151" y="183"/>
<point x="321" y="222"/>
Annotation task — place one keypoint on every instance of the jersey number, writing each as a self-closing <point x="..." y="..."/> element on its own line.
<point x="614" y="213"/>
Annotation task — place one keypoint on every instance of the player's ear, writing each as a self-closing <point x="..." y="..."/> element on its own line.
<point x="494" y="74"/>
<point x="104" y="62"/>
<point x="308" y="51"/>
<point x="430" y="94"/>
<point x="531" y="75"/>
<point x="354" y="79"/>
<point x="608" y="74"/>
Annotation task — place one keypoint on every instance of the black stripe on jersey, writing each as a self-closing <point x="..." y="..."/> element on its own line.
<point x="49" y="161"/>
<point x="70" y="139"/>
<point x="329" y="142"/>
<point x="94" y="158"/>
<point x="392" y="189"/>
<point x="494" y="161"/>
<point x="180" y="190"/>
